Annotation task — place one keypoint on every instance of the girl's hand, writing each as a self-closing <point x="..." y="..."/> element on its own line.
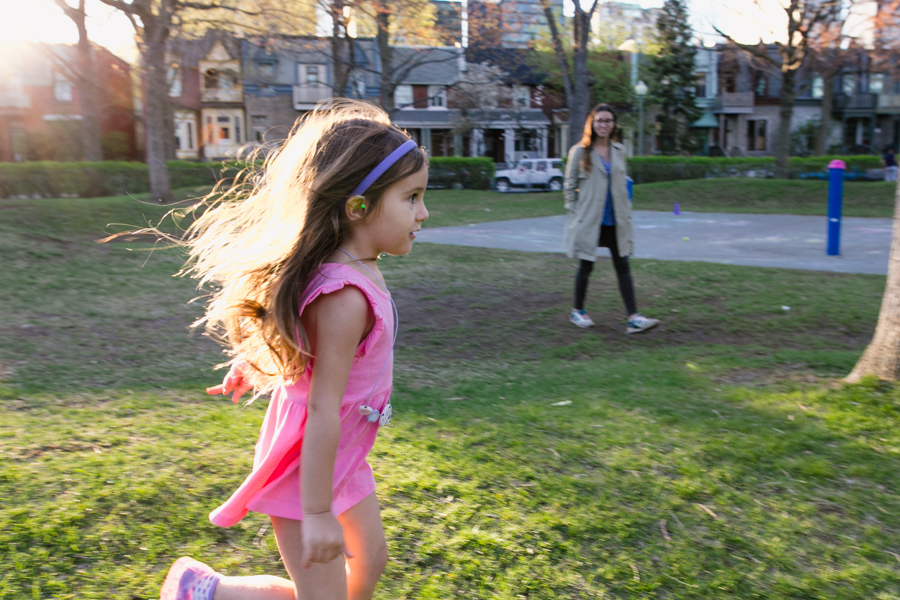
<point x="232" y="384"/>
<point x="323" y="539"/>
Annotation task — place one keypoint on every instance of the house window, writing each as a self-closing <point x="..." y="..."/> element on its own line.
<point x="237" y="129"/>
<point x="62" y="89"/>
<point x="403" y="96"/>
<point x="209" y="131"/>
<point x="521" y="97"/>
<point x="259" y="127"/>
<point x="174" y="78"/>
<point x="224" y="127"/>
<point x="184" y="134"/>
<point x="437" y="96"/>
<point x="266" y="70"/>
<point x="700" y="86"/>
<point x="848" y="84"/>
<point x="211" y="79"/>
<point x="761" y="86"/>
<point x="876" y="84"/>
<point x="756" y="135"/>
<point x="729" y="83"/>
<point x="818" y="86"/>
<point x="310" y="75"/>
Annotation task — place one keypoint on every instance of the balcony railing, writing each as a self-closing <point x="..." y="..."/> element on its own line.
<point x="889" y="103"/>
<point x="734" y="102"/>
<point x="856" y="102"/>
<point x="308" y="94"/>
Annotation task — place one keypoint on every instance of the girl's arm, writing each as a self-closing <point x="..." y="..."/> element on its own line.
<point x="335" y="324"/>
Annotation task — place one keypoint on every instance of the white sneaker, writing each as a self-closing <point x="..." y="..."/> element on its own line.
<point x="579" y="318"/>
<point x="640" y="323"/>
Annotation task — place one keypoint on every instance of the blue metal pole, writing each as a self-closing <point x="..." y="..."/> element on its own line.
<point x="836" y="170"/>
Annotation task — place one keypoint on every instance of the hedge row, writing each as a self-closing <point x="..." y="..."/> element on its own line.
<point x="651" y="169"/>
<point x="116" y="178"/>
<point x="92" y="179"/>
<point x="474" y="173"/>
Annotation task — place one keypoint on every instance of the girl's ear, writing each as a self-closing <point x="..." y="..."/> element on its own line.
<point x="356" y="208"/>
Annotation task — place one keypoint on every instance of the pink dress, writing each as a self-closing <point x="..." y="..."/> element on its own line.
<point x="273" y="487"/>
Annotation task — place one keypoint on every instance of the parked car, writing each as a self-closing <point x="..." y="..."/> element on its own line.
<point x="543" y="173"/>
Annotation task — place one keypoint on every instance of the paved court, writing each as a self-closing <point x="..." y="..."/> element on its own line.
<point x="783" y="241"/>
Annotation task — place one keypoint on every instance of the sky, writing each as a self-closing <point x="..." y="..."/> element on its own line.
<point x="41" y="20"/>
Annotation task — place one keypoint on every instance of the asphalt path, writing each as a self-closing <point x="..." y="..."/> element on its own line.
<point x="778" y="241"/>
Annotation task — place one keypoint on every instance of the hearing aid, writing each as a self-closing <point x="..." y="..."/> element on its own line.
<point x="357" y="202"/>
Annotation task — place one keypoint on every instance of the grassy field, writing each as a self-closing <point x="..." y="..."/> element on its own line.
<point x="794" y="197"/>
<point x="715" y="457"/>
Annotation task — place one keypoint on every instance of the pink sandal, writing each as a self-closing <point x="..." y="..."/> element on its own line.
<point x="189" y="579"/>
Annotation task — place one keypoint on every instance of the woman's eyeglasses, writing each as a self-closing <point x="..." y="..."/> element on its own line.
<point x="605" y="121"/>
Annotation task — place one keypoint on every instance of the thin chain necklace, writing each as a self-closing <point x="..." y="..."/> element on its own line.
<point x="378" y="279"/>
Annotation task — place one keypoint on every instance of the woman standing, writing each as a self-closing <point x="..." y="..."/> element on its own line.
<point x="599" y="213"/>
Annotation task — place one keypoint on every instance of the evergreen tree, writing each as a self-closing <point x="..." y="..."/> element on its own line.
<point x="673" y="80"/>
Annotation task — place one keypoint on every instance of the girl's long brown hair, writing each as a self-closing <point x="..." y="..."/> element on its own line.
<point x="259" y="242"/>
<point x="589" y="136"/>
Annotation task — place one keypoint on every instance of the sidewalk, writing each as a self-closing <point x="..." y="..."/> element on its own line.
<point x="782" y="241"/>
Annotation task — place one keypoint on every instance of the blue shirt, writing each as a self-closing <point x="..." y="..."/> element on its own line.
<point x="609" y="215"/>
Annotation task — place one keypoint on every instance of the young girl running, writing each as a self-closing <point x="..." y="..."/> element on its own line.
<point x="306" y="314"/>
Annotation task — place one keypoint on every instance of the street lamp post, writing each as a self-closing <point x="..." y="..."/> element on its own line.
<point x="640" y="90"/>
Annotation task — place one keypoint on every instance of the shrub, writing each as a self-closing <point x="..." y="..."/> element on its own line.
<point x="44" y="179"/>
<point x="470" y="172"/>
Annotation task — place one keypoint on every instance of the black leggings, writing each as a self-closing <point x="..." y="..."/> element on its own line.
<point x="623" y="273"/>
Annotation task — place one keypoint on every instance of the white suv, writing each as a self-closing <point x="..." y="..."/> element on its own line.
<point x="535" y="172"/>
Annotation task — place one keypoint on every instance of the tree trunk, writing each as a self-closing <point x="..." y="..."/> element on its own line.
<point x="882" y="357"/>
<point x="581" y="90"/>
<point x="827" y="106"/>
<point x="87" y="92"/>
<point x="340" y="51"/>
<point x="386" y="94"/>
<point x="153" y="54"/>
<point x="786" y="112"/>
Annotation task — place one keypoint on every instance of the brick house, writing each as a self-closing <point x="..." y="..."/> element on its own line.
<point x="40" y="107"/>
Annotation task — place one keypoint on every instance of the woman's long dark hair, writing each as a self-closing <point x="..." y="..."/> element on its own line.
<point x="589" y="136"/>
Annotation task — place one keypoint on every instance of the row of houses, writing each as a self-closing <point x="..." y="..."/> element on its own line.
<point x="231" y="95"/>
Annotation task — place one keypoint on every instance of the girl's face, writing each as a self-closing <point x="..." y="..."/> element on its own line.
<point x="397" y="218"/>
<point x="604" y="123"/>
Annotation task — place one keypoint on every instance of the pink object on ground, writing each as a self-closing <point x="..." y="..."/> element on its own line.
<point x="189" y="579"/>
<point x="837" y="164"/>
<point x="273" y="487"/>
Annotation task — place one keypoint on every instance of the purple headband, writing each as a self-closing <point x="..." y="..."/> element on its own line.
<point x="383" y="166"/>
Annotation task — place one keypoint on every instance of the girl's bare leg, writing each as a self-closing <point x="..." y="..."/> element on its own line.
<point x="353" y="579"/>
<point x="364" y="538"/>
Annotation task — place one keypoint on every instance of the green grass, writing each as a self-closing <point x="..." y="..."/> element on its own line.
<point x="765" y="196"/>
<point x="716" y="457"/>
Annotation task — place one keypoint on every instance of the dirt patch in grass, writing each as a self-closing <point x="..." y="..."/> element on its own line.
<point x="490" y="322"/>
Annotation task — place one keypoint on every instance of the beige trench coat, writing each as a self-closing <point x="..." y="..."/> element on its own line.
<point x="585" y="195"/>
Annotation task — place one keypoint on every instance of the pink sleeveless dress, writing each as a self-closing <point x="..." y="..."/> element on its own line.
<point x="273" y="487"/>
